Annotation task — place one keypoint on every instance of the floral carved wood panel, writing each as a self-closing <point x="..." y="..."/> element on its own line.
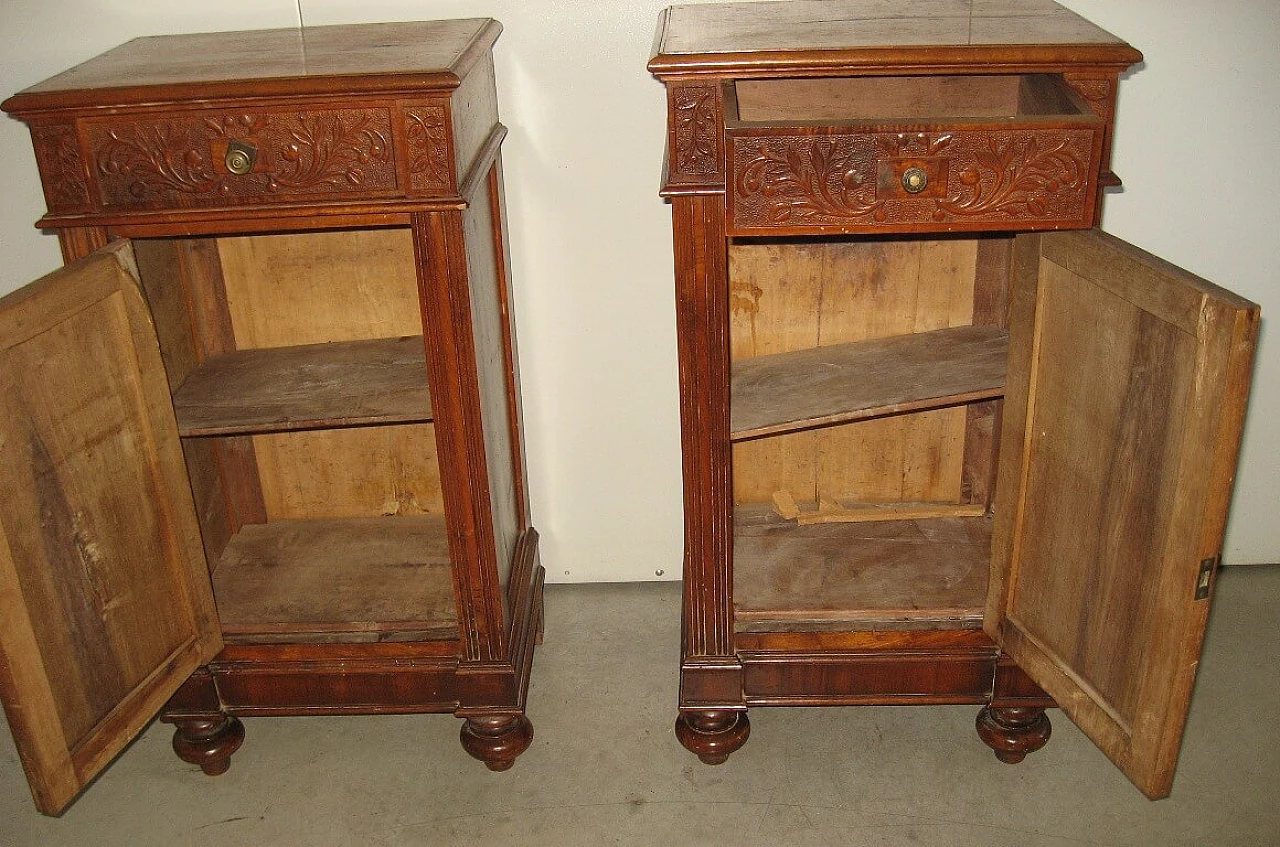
<point x="695" y="122"/>
<point x="61" y="172"/>
<point x="976" y="180"/>
<point x="180" y="161"/>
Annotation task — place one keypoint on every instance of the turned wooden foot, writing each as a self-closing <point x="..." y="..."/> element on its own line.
<point x="497" y="741"/>
<point x="208" y="743"/>
<point x="713" y="734"/>
<point x="1013" y="731"/>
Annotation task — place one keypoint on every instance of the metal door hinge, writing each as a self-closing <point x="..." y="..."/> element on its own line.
<point x="1206" y="575"/>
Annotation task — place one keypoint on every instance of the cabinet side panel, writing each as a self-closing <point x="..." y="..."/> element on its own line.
<point x="173" y="275"/>
<point x="794" y="296"/>
<point x="490" y="307"/>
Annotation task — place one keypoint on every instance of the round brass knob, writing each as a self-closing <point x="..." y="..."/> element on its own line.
<point x="914" y="180"/>
<point x="240" y="157"/>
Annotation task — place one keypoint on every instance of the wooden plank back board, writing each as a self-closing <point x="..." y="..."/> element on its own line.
<point x="788" y="297"/>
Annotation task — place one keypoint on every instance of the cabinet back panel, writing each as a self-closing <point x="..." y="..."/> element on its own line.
<point x="171" y="271"/>
<point x="344" y="473"/>
<point x="313" y="288"/>
<point x="800" y="295"/>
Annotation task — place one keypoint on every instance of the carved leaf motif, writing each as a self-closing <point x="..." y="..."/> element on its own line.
<point x="327" y="151"/>
<point x="1016" y="179"/>
<point x="428" y="140"/>
<point x="155" y="158"/>
<point x="58" y="153"/>
<point x="803" y="182"/>
<point x="696" y="130"/>
<point x="177" y="160"/>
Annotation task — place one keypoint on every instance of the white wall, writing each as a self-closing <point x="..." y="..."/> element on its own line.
<point x="590" y="238"/>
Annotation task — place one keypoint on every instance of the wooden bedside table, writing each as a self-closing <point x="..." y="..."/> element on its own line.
<point x="264" y="454"/>
<point x="935" y="452"/>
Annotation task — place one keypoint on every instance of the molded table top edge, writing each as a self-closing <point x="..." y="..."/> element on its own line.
<point x="384" y="58"/>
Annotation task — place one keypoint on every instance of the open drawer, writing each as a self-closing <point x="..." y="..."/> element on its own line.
<point x="906" y="154"/>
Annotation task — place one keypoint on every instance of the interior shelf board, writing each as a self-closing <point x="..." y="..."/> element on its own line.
<point x="840" y="383"/>
<point x="346" y="579"/>
<point x="924" y="573"/>
<point x="308" y="386"/>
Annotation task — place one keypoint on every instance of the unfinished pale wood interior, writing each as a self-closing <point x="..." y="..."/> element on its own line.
<point x="859" y="369"/>
<point x="298" y="371"/>
<point x="930" y="98"/>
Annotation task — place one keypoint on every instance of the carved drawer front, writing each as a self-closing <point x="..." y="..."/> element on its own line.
<point x="234" y="158"/>
<point x="895" y="154"/>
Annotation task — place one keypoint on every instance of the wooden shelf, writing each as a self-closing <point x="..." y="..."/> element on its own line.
<point x="913" y="574"/>
<point x="352" y="579"/>
<point x="306" y="387"/>
<point x="786" y="392"/>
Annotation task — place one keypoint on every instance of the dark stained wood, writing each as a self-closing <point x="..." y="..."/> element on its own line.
<point x="278" y="389"/>
<point x="789" y="123"/>
<point x="785" y="392"/>
<point x="806" y="37"/>
<point x="355" y="579"/>
<point x="874" y="576"/>
<point x="323" y="134"/>
<point x="105" y="605"/>
<point x="824" y="155"/>
<point x="362" y="58"/>
<point x="1134" y="402"/>
<point x="293" y="303"/>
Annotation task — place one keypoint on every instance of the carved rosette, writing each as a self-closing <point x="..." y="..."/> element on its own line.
<point x="61" y="172"/>
<point x="427" y="147"/>
<point x="179" y="161"/>
<point x="979" y="180"/>
<point x="695" y="155"/>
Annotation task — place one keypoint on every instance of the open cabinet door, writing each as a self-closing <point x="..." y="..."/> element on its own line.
<point x="105" y="600"/>
<point x="1128" y="380"/>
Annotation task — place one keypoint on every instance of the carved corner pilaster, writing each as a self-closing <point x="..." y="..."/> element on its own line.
<point x="697" y="154"/>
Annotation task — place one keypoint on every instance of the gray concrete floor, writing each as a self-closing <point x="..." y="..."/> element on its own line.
<point x="605" y="768"/>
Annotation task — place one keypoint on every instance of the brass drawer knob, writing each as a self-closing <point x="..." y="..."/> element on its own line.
<point x="240" y="157"/>
<point x="914" y="180"/>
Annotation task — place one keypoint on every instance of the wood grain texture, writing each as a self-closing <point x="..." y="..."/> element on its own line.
<point x="314" y="288"/>
<point x="926" y="573"/>
<point x="362" y="58"/>
<point x="866" y="379"/>
<point x="490" y="308"/>
<point x="813" y="294"/>
<point x="1127" y="404"/>
<point x="349" y="472"/>
<point x="368" y="223"/>
<point x="355" y="579"/>
<point x="104" y="600"/>
<point x="772" y="38"/>
<point x="343" y="383"/>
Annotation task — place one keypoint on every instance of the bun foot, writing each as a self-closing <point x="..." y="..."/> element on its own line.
<point x="208" y="743"/>
<point x="497" y="741"/>
<point x="1013" y="731"/>
<point x="713" y="734"/>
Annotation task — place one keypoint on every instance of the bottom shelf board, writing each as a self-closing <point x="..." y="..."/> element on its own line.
<point x="903" y="574"/>
<point x="348" y="579"/>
